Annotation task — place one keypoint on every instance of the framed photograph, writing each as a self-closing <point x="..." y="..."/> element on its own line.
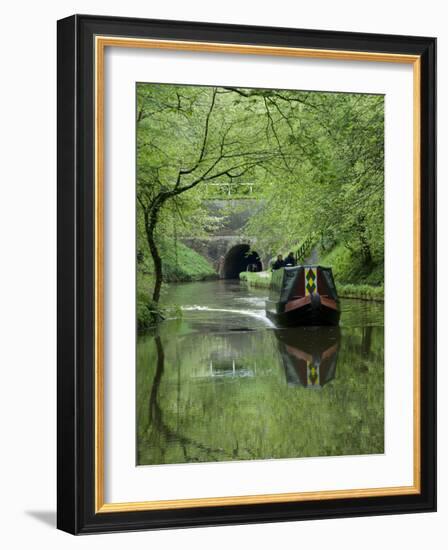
<point x="246" y="274"/>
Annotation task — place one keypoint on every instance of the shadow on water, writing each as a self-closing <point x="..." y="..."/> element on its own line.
<point x="222" y="384"/>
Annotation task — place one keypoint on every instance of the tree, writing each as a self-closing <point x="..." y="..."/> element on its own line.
<point x="187" y="136"/>
<point x="335" y="188"/>
<point x="311" y="153"/>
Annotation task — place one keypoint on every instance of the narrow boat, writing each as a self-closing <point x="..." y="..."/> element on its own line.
<point x="303" y="295"/>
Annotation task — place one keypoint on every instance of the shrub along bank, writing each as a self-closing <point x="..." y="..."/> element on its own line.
<point x="348" y="268"/>
<point x="180" y="264"/>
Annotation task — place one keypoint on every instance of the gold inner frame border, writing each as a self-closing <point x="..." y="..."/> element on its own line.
<point x="100" y="44"/>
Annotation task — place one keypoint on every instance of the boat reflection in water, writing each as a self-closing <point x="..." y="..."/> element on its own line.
<point x="309" y="354"/>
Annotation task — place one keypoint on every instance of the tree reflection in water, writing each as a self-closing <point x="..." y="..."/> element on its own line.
<point x="236" y="395"/>
<point x="222" y="383"/>
<point x="159" y="432"/>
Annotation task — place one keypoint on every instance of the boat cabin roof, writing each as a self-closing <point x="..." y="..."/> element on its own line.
<point x="292" y="282"/>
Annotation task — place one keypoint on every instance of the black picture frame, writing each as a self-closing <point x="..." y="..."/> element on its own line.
<point x="76" y="286"/>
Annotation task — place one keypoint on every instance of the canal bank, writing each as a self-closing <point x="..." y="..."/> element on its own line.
<point x="262" y="279"/>
<point x="180" y="264"/>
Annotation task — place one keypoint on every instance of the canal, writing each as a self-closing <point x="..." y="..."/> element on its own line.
<point x="218" y="381"/>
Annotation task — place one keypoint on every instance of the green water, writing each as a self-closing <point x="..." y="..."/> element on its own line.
<point x="222" y="383"/>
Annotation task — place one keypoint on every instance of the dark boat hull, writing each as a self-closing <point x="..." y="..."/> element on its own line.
<point x="312" y="312"/>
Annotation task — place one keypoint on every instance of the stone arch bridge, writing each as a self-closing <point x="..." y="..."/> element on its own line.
<point x="227" y="250"/>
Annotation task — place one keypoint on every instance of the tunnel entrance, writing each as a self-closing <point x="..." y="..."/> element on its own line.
<point x="239" y="258"/>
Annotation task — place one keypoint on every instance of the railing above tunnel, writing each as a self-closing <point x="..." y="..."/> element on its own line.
<point x="231" y="190"/>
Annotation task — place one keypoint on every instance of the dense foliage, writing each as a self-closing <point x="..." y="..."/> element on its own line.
<point x="334" y="187"/>
<point x="316" y="159"/>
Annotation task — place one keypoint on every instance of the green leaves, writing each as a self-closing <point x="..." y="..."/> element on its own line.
<point x="316" y="160"/>
<point x="337" y="150"/>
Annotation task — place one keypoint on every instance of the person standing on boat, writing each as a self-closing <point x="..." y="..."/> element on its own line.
<point x="279" y="263"/>
<point x="290" y="261"/>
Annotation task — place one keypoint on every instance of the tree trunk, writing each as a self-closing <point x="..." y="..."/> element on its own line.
<point x="365" y="249"/>
<point x="150" y="225"/>
<point x="366" y="253"/>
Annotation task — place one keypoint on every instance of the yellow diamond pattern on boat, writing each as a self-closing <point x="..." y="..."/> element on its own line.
<point x="313" y="375"/>
<point x="310" y="280"/>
